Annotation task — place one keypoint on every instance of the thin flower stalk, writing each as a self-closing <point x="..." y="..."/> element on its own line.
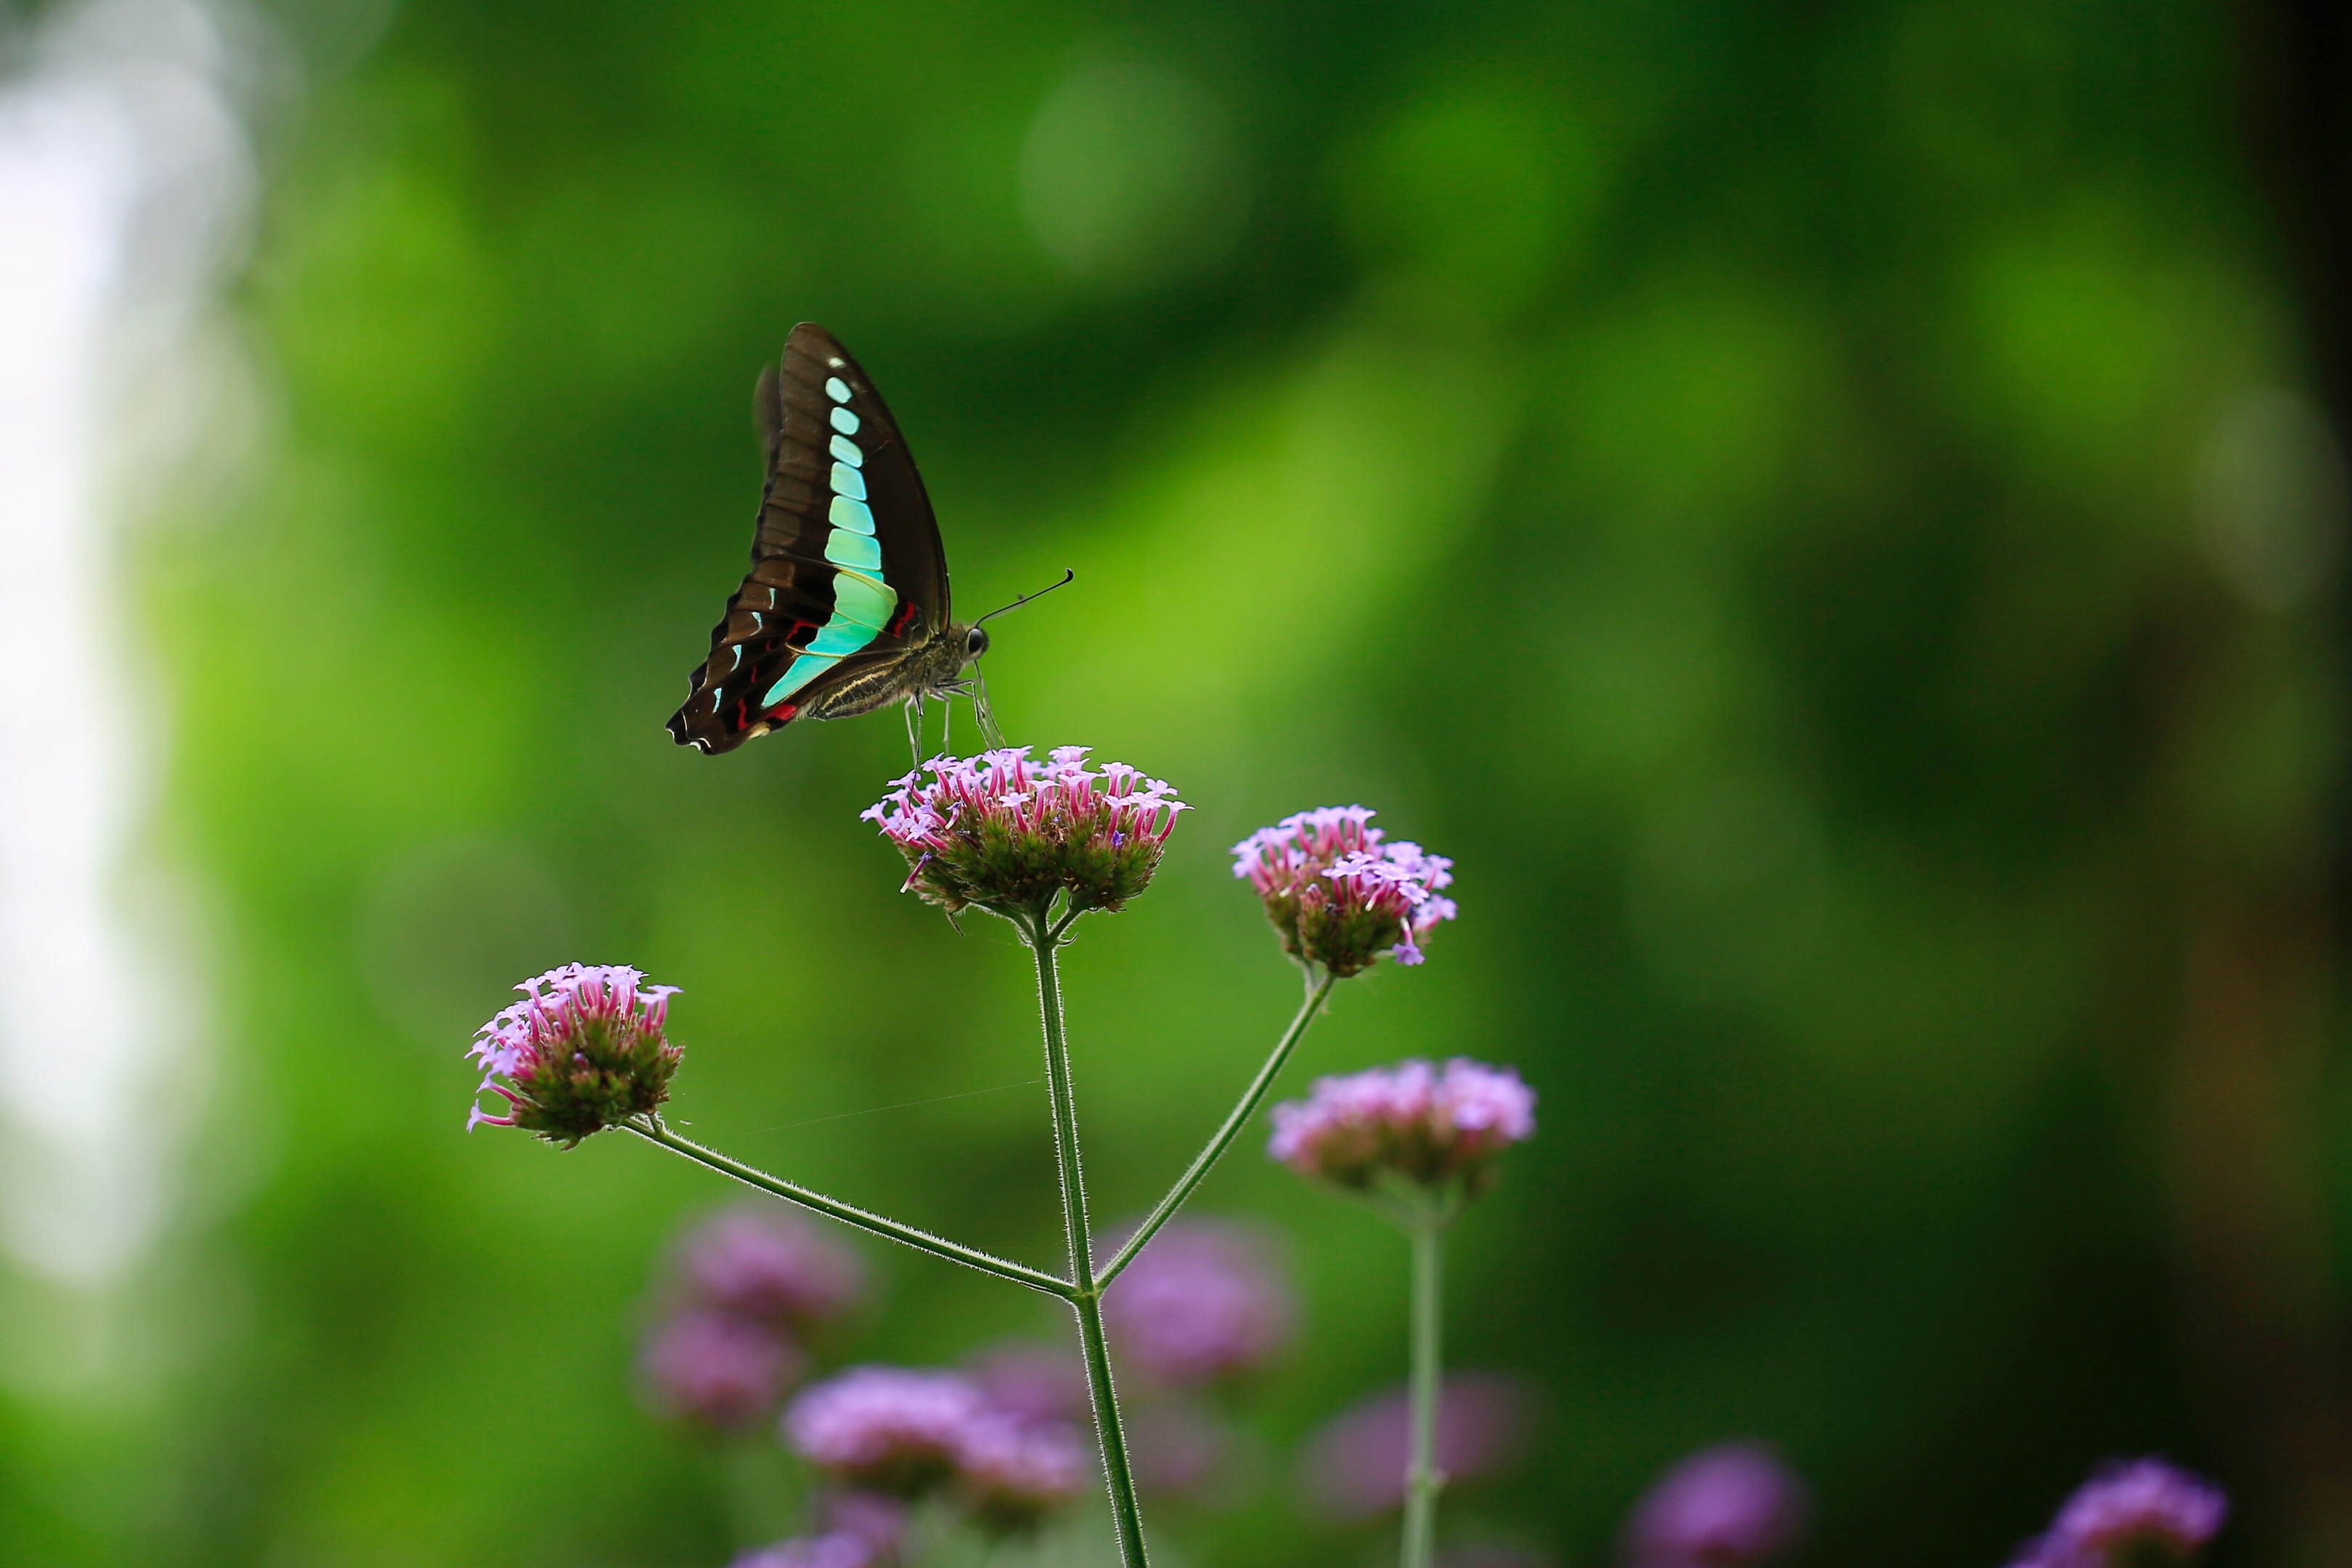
<point x="654" y="1131"/>
<point x="1119" y="1470"/>
<point x="1417" y="1141"/>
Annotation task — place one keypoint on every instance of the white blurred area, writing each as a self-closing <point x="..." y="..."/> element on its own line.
<point x="126" y="191"/>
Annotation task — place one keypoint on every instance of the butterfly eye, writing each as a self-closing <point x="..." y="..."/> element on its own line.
<point x="975" y="642"/>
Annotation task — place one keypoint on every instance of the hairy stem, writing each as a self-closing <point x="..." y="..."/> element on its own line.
<point x="1422" y="1477"/>
<point x="653" y="1131"/>
<point x="1244" y="1109"/>
<point x="1087" y="1298"/>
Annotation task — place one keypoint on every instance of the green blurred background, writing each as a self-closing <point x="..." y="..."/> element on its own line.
<point x="1820" y="509"/>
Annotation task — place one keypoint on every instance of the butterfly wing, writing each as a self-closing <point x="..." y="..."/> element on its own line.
<point x="847" y="573"/>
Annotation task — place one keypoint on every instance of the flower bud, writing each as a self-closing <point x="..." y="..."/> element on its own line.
<point x="583" y="1051"/>
<point x="1001" y="832"/>
<point x="1439" y="1131"/>
<point x="1338" y="896"/>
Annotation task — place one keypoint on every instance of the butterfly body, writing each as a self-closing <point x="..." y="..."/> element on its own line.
<point x="846" y="609"/>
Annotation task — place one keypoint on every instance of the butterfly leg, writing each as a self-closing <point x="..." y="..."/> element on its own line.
<point x="984" y="714"/>
<point x="914" y="707"/>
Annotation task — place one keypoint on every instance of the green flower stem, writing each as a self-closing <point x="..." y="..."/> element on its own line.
<point x="1422" y="1477"/>
<point x="651" y="1129"/>
<point x="1206" y="1160"/>
<point x="1087" y="1298"/>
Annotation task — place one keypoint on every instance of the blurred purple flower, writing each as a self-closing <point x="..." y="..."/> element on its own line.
<point x="1177" y="1448"/>
<point x="880" y="1521"/>
<point x="1031" y="1382"/>
<point x="833" y="1549"/>
<point x="718" y="1369"/>
<point x="1341" y="897"/>
<point x="1428" y="1126"/>
<point x="884" y="1428"/>
<point x="1723" y="1507"/>
<point x="1354" y="1468"/>
<point x="1204" y="1299"/>
<point x="582" y="1052"/>
<point x="1007" y="832"/>
<point x="2127" y="1503"/>
<point x="768" y="1262"/>
<point x="1009" y="1472"/>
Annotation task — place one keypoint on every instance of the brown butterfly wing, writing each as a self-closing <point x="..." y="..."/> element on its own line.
<point x="781" y="612"/>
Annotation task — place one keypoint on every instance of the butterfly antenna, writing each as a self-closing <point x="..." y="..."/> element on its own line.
<point x="1067" y="575"/>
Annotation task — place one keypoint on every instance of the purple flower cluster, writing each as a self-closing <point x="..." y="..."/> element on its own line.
<point x="860" y="1530"/>
<point x="1355" y="1466"/>
<point x="750" y="1283"/>
<point x="1725" y="1506"/>
<point x="1439" y="1129"/>
<point x="769" y="1263"/>
<point x="2129" y="1503"/>
<point x="903" y="1433"/>
<point x="1007" y="834"/>
<point x="1205" y="1299"/>
<point x="718" y="1369"/>
<point x="582" y="1052"/>
<point x="1177" y="1444"/>
<point x="1338" y="895"/>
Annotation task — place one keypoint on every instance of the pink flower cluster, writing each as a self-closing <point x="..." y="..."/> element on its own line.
<point x="582" y="1052"/>
<point x="1008" y="833"/>
<point x="752" y="1282"/>
<point x="859" y="1530"/>
<point x="1339" y="894"/>
<point x="1726" y="1507"/>
<point x="2129" y="1503"/>
<point x="1435" y="1128"/>
<point x="1205" y="1299"/>
<point x="903" y="1433"/>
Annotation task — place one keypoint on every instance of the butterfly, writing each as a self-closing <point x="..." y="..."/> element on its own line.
<point x="846" y="609"/>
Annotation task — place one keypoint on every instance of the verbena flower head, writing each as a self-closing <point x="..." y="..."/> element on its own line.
<point x="582" y="1052"/>
<point x="767" y="1263"/>
<point x="1724" y="1507"/>
<point x="1340" y="895"/>
<point x="884" y="1428"/>
<point x="718" y="1369"/>
<point x="1007" y="834"/>
<point x="1032" y="1382"/>
<point x="880" y="1522"/>
<point x="1011" y="1473"/>
<point x="833" y="1549"/>
<point x="1355" y="1466"/>
<point x="2129" y="1504"/>
<point x="1439" y="1129"/>
<point x="1203" y="1300"/>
